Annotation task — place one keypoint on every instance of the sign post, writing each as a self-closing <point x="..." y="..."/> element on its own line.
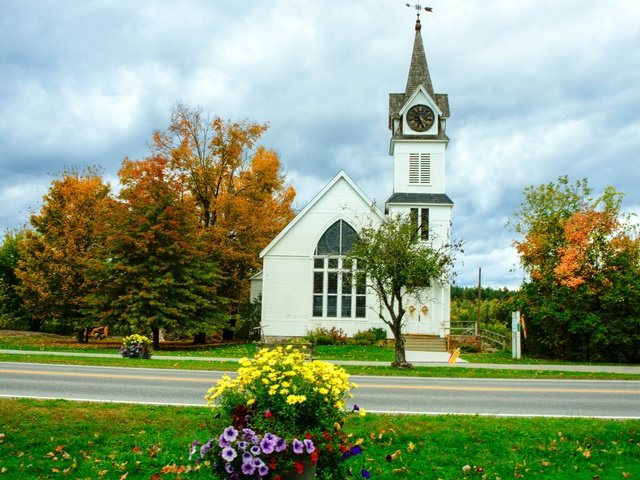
<point x="515" y="335"/>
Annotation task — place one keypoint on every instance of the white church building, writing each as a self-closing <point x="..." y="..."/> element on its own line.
<point x="306" y="282"/>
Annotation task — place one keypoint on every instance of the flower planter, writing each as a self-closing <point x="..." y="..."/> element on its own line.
<point x="309" y="473"/>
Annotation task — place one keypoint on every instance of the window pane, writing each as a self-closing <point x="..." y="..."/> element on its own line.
<point x="318" y="263"/>
<point x="332" y="284"/>
<point x="424" y="224"/>
<point x="318" y="282"/>
<point x="346" y="282"/>
<point x="361" y="306"/>
<point x="332" y="306"/>
<point x="361" y="286"/>
<point x="317" y="305"/>
<point x="346" y="306"/>
<point x="349" y="236"/>
<point x="333" y="263"/>
<point x="329" y="243"/>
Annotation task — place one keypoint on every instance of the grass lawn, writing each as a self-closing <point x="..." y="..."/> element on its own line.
<point x="50" y="439"/>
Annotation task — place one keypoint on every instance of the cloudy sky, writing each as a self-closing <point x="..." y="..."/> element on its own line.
<point x="537" y="89"/>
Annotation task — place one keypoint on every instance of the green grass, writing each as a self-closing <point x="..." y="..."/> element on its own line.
<point x="50" y="439"/>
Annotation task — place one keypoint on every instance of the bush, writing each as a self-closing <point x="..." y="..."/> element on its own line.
<point x="136" y="346"/>
<point x="325" y="336"/>
<point x="373" y="336"/>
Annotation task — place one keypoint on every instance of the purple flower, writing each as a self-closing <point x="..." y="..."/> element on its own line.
<point x="356" y="450"/>
<point x="242" y="445"/>
<point x="223" y="442"/>
<point x="309" y="445"/>
<point x="298" y="446"/>
<point x="263" y="470"/>
<point x="249" y="433"/>
<point x="248" y="468"/>
<point x="267" y="445"/>
<point x="356" y="408"/>
<point x="281" y="445"/>
<point x="206" y="447"/>
<point x="228" y="454"/>
<point x="194" y="446"/>
<point x="247" y="457"/>
<point x="230" y="434"/>
<point x="229" y="468"/>
<point x="255" y="450"/>
<point x="365" y="473"/>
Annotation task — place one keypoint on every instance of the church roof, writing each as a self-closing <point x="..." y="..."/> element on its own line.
<point x="420" y="198"/>
<point x="418" y="70"/>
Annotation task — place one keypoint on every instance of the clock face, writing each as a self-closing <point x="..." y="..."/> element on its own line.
<point x="420" y="118"/>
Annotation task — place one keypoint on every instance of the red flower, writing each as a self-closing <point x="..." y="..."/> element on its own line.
<point x="299" y="467"/>
<point x="272" y="464"/>
<point x="307" y="435"/>
<point x="277" y="477"/>
<point x="314" y="456"/>
<point x="268" y="414"/>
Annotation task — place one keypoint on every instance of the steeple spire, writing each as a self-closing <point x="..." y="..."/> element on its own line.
<point x="418" y="70"/>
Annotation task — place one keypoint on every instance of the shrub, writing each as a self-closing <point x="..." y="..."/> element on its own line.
<point x="373" y="336"/>
<point x="325" y="336"/>
<point x="136" y="346"/>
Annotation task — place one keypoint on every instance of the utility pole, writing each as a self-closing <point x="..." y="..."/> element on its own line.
<point x="479" y="298"/>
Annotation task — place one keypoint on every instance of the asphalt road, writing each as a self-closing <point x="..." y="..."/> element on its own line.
<point x="569" y="398"/>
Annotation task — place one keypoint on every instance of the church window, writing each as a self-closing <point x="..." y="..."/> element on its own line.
<point x="337" y="291"/>
<point x="420" y="219"/>
<point x="420" y="168"/>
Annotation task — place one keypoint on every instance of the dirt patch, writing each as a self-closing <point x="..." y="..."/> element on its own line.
<point x="26" y="333"/>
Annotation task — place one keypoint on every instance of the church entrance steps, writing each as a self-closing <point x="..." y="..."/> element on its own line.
<point x="424" y="343"/>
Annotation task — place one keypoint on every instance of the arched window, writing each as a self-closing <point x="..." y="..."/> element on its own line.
<point x="337" y="291"/>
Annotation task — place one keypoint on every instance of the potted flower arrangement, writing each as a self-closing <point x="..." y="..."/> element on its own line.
<point x="136" y="346"/>
<point x="280" y="418"/>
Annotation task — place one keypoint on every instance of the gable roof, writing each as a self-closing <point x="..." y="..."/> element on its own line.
<point x="341" y="175"/>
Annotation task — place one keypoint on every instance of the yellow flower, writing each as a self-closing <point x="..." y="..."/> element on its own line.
<point x="251" y="401"/>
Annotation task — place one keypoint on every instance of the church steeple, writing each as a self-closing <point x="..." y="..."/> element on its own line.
<point x="418" y="70"/>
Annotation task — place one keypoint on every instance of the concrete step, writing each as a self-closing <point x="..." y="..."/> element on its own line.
<point x="425" y="343"/>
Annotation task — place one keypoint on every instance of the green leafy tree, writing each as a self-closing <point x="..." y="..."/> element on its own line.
<point x="397" y="264"/>
<point x="157" y="275"/>
<point x="65" y="238"/>
<point x="581" y="255"/>
<point x="12" y="314"/>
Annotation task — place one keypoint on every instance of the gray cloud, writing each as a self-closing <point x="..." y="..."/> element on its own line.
<point x="538" y="88"/>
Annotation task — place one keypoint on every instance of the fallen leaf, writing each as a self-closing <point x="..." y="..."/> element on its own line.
<point x="59" y="448"/>
<point x="153" y="450"/>
<point x="627" y="474"/>
<point x="466" y="469"/>
<point x="545" y="463"/>
<point x="137" y="450"/>
<point x="586" y="454"/>
<point x="155" y="476"/>
<point x="411" y="447"/>
<point x="102" y="473"/>
<point x="124" y="477"/>
<point x="55" y="470"/>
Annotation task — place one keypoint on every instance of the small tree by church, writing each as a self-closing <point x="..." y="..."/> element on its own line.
<point x="397" y="265"/>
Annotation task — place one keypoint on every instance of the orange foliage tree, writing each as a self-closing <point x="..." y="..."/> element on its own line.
<point x="155" y="275"/>
<point x="582" y="255"/>
<point x="242" y="198"/>
<point x="66" y="236"/>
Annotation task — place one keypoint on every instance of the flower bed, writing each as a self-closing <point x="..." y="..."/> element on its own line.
<point x="279" y="415"/>
<point x="136" y="346"/>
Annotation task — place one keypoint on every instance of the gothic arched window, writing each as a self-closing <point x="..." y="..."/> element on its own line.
<point x="337" y="291"/>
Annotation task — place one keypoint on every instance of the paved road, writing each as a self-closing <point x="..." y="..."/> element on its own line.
<point x="586" y="398"/>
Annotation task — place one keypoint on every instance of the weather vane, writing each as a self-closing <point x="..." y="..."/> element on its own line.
<point x="419" y="8"/>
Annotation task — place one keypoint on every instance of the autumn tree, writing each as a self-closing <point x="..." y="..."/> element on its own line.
<point x="11" y="311"/>
<point x="581" y="255"/>
<point x="241" y="195"/>
<point x="65" y="237"/>
<point x="156" y="275"/>
<point x="397" y="265"/>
